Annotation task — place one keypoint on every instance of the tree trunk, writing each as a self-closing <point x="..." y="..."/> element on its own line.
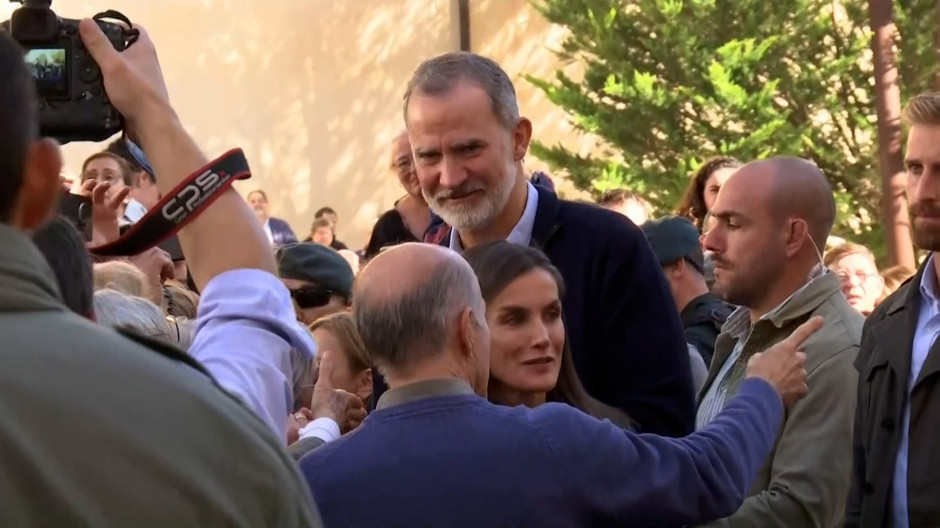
<point x="937" y="44"/>
<point x="888" y="102"/>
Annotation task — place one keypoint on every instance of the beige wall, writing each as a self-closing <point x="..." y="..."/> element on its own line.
<point x="311" y="89"/>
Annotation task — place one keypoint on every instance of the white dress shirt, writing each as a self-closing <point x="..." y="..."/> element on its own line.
<point x="928" y="327"/>
<point x="245" y="331"/>
<point x="267" y="231"/>
<point x="522" y="232"/>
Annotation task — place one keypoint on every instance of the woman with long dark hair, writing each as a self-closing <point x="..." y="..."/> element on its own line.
<point x="700" y="194"/>
<point x="530" y="360"/>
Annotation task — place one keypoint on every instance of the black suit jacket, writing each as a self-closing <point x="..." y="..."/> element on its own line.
<point x="884" y="365"/>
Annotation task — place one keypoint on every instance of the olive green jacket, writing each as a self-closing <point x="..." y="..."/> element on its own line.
<point x="805" y="481"/>
<point x="99" y="430"/>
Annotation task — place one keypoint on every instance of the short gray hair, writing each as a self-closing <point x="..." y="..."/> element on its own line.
<point x="439" y="75"/>
<point x="118" y="310"/>
<point x="408" y="328"/>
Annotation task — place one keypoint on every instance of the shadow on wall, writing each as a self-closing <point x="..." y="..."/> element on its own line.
<point x="311" y="90"/>
<point x="522" y="41"/>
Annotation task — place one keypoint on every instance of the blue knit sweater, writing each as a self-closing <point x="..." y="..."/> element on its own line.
<point x="460" y="461"/>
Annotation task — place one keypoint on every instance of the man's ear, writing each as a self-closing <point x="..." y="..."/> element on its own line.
<point x="521" y="136"/>
<point x="41" y="187"/>
<point x="465" y="332"/>
<point x="796" y="236"/>
<point x="364" y="384"/>
<point x="675" y="270"/>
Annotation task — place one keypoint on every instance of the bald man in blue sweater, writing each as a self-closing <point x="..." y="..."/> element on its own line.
<point x="436" y="453"/>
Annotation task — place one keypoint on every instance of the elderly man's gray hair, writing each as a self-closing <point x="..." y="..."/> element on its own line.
<point x="438" y="76"/>
<point x="118" y="310"/>
<point x="402" y="330"/>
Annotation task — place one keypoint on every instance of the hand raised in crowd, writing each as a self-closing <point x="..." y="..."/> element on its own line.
<point x="105" y="210"/>
<point x="132" y="78"/>
<point x="784" y="365"/>
<point x="345" y="408"/>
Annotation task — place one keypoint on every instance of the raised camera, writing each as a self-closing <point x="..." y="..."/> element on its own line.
<point x="73" y="105"/>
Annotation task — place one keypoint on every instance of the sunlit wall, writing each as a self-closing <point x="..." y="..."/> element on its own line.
<point x="311" y="89"/>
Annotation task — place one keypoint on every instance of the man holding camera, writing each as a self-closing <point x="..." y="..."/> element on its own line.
<point x="99" y="429"/>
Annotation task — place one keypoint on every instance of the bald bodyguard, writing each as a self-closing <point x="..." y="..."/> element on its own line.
<point x="772" y="218"/>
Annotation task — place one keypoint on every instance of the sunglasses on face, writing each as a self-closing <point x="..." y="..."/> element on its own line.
<point x="311" y="297"/>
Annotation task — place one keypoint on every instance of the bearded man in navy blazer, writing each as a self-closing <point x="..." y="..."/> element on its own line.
<point x="626" y="339"/>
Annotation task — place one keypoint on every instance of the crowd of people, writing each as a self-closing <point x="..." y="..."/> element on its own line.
<point x="495" y="356"/>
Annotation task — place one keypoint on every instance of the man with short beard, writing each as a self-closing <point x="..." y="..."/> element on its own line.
<point x="771" y="218"/>
<point x="469" y="141"/>
<point x="894" y="481"/>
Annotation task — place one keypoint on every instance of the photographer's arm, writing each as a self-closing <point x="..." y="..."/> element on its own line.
<point x="246" y="324"/>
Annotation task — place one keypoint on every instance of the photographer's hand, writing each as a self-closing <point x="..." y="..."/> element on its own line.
<point x="105" y="210"/>
<point x="133" y="78"/>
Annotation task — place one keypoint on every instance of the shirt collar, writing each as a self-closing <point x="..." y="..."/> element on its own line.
<point x="738" y="323"/>
<point x="928" y="283"/>
<point x="522" y="233"/>
<point x="421" y="390"/>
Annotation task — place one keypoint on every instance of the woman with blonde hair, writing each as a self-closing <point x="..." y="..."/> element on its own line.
<point x="337" y="332"/>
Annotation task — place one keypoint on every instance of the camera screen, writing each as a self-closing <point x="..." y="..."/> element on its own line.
<point x="50" y="70"/>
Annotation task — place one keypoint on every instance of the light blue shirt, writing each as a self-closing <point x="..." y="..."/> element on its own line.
<point x="245" y="331"/>
<point x="522" y="233"/>
<point x="928" y="327"/>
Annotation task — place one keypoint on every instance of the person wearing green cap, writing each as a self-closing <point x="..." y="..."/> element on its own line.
<point x="319" y="279"/>
<point x="675" y="243"/>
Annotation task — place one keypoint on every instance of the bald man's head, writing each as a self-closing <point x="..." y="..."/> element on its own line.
<point x="410" y="302"/>
<point x="757" y="251"/>
<point x="802" y="191"/>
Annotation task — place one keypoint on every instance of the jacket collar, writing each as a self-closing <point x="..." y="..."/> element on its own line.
<point x="547" y="221"/>
<point x="893" y="334"/>
<point x="806" y="300"/>
<point x="421" y="390"/>
<point x="799" y="305"/>
<point x="26" y="280"/>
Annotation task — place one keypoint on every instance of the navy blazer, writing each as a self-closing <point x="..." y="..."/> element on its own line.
<point x="626" y="338"/>
<point x="281" y="232"/>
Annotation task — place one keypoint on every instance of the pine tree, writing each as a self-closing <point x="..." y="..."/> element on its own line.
<point x="668" y="84"/>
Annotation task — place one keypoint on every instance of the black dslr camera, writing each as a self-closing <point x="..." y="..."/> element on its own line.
<point x="73" y="105"/>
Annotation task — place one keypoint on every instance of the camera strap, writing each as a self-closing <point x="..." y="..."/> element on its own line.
<point x="181" y="205"/>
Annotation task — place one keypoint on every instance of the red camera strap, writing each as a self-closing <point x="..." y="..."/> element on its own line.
<point x="181" y="205"/>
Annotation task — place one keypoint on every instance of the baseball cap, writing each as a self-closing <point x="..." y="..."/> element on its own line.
<point x="673" y="238"/>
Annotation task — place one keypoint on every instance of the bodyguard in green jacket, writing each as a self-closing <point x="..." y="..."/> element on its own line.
<point x="772" y="216"/>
